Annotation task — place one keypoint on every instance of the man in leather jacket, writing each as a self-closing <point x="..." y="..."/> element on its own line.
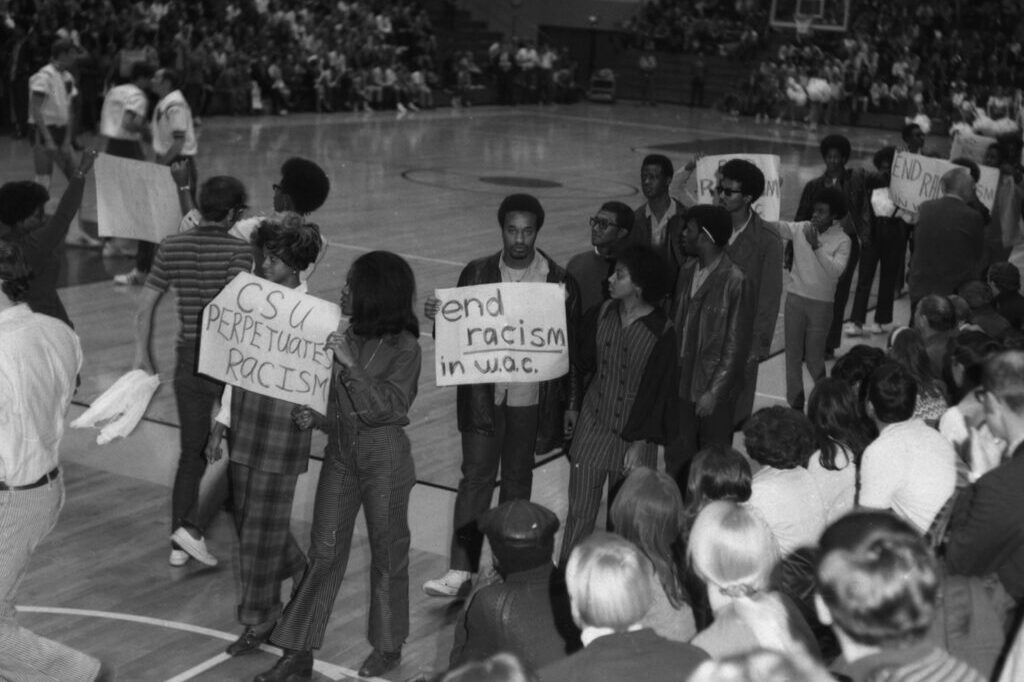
<point x="714" y="319"/>
<point x="504" y="424"/>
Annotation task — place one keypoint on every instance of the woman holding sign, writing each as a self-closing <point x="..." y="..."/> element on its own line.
<point x="368" y="463"/>
<point x="268" y="453"/>
<point x="628" y="407"/>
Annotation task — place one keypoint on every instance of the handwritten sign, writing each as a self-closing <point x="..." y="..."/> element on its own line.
<point x="135" y="199"/>
<point x="269" y="339"/>
<point x="500" y="333"/>
<point x="768" y="206"/>
<point x="970" y="146"/>
<point x="916" y="179"/>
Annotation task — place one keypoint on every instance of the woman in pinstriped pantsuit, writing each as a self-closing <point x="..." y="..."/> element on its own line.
<point x="367" y="463"/>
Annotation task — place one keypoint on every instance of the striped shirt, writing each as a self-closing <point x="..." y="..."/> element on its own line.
<point x="921" y="663"/>
<point x="197" y="264"/>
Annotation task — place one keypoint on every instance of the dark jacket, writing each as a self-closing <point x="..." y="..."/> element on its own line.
<point x="949" y="243"/>
<point x="715" y="328"/>
<point x="672" y="248"/>
<point x="986" y="533"/>
<point x="637" y="655"/>
<point x="758" y="253"/>
<point x="475" y="402"/>
<point x="527" y="613"/>
<point x="1010" y="304"/>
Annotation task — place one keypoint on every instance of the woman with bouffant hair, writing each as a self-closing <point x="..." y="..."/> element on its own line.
<point x="734" y="552"/>
<point x="268" y="453"/>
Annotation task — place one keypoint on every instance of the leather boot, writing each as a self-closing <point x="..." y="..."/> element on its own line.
<point x="293" y="666"/>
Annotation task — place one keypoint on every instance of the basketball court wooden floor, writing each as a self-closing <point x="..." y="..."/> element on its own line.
<point x="425" y="186"/>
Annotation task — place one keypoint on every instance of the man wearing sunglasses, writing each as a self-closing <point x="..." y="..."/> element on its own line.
<point x="756" y="247"/>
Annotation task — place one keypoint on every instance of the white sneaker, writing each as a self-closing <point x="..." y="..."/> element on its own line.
<point x="179" y="557"/>
<point x="852" y="329"/>
<point x="875" y="328"/>
<point x="451" y="584"/>
<point x="196" y="548"/>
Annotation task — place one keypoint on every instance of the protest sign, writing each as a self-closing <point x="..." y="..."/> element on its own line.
<point x="970" y="146"/>
<point x="135" y="199"/>
<point x="511" y="332"/>
<point x="768" y="206"/>
<point x="269" y="339"/>
<point x="916" y="179"/>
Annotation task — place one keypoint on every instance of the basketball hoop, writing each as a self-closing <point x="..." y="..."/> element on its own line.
<point x="803" y="24"/>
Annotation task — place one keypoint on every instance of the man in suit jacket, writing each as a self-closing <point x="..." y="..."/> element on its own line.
<point x="659" y="221"/>
<point x="949" y="240"/>
<point x="986" y="533"/>
<point x="714" y="316"/>
<point x="611" y="588"/>
<point x="756" y="247"/>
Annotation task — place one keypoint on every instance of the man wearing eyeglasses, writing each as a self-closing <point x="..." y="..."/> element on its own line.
<point x="197" y="264"/>
<point x="714" y="319"/>
<point x="756" y="247"/>
<point x="986" y="533"/>
<point x="609" y="231"/>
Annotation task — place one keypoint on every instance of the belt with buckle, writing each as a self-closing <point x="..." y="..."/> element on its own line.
<point x="46" y="478"/>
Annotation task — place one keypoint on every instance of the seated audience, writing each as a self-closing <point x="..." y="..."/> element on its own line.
<point x="878" y="587"/>
<point x="961" y="313"/>
<point x="1008" y="302"/>
<point x="501" y="667"/>
<point x="980" y="298"/>
<point x="906" y="348"/>
<point x="910" y="468"/>
<point x="734" y="552"/>
<point x="963" y="424"/>
<point x="762" y="665"/>
<point x="611" y="588"/>
<point x="936" y="320"/>
<point x="857" y="365"/>
<point x="784" y="493"/>
<point x="648" y="511"/>
<point x="842" y="433"/>
<point x="986" y="533"/>
<point x="526" y="610"/>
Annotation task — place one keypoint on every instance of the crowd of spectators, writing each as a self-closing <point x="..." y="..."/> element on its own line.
<point x="708" y="27"/>
<point x="236" y="57"/>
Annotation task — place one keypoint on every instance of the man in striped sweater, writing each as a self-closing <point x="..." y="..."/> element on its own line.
<point x="878" y="586"/>
<point x="197" y="264"/>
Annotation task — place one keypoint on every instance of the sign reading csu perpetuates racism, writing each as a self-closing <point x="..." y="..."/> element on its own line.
<point x="269" y="339"/>
<point x="916" y="179"/>
<point x="768" y="206"/>
<point x="510" y="332"/>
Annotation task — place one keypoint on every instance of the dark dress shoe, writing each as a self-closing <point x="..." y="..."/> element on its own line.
<point x="249" y="641"/>
<point x="379" y="662"/>
<point x="293" y="666"/>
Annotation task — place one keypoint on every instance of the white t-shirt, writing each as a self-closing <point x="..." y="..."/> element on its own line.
<point x="58" y="87"/>
<point x="911" y="469"/>
<point x="119" y="101"/>
<point x="789" y="502"/>
<point x="838" y="489"/>
<point x="172" y="115"/>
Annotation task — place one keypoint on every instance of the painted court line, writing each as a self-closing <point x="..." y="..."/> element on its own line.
<point x="335" y="672"/>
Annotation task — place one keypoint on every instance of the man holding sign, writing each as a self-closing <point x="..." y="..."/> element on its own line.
<point x="504" y="424"/>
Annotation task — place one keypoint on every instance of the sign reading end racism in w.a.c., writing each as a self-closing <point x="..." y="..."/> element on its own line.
<point x="269" y="339"/>
<point x="511" y="332"/>
<point x="916" y="179"/>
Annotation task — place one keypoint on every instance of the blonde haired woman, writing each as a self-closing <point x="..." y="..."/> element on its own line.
<point x="734" y="552"/>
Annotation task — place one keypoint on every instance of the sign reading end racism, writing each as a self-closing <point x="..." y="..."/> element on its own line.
<point x="916" y="179"/>
<point x="768" y="205"/>
<point x="269" y="339"/>
<point x="507" y="332"/>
